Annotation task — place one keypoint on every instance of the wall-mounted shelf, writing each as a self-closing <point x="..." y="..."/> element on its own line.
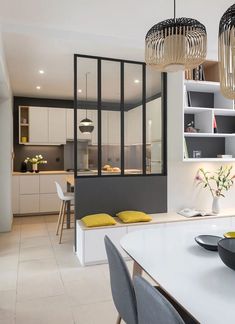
<point x="205" y="106"/>
<point x="24" y="124"/>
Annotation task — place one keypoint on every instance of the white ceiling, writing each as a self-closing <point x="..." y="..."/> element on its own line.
<point x="44" y="34"/>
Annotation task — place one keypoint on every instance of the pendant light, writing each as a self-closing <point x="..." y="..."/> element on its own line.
<point x="227" y="53"/>
<point x="86" y="125"/>
<point x="176" y="44"/>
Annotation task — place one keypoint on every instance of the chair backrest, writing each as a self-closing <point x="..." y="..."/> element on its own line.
<point x="152" y="306"/>
<point x="121" y="284"/>
<point x="59" y="191"/>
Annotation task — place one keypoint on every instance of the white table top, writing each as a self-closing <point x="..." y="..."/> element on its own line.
<point x="195" y="277"/>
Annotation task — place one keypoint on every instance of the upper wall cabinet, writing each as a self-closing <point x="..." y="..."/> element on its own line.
<point x="57" y="125"/>
<point x="38" y="125"/>
<point x="42" y="126"/>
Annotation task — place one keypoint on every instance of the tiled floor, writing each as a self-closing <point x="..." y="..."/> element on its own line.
<point x="42" y="282"/>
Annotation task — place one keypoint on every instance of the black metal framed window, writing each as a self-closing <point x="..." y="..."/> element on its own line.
<point x="125" y="102"/>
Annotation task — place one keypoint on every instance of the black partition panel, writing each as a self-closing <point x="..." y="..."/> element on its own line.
<point x="113" y="194"/>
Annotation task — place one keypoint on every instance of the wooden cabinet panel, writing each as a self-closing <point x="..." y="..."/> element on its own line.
<point x="47" y="183"/>
<point x="29" y="204"/>
<point x="29" y="184"/>
<point x="57" y="126"/>
<point x="15" y="194"/>
<point x="49" y="203"/>
<point x="38" y="125"/>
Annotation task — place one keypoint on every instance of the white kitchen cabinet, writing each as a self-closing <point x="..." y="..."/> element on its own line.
<point x="15" y="195"/>
<point x="29" y="203"/>
<point x="49" y="203"/>
<point x="93" y="114"/>
<point x="29" y="184"/>
<point x="154" y="120"/>
<point x="57" y="126"/>
<point x="38" y="125"/>
<point x="47" y="183"/>
<point x="134" y="130"/>
<point x="111" y="127"/>
<point x="69" y="124"/>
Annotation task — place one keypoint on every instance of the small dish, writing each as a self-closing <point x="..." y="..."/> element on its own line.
<point x="208" y="242"/>
<point x="229" y="235"/>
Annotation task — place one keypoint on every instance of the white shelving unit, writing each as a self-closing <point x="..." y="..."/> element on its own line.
<point x="204" y="121"/>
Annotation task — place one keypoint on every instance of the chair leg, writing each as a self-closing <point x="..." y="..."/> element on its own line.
<point x="62" y="221"/>
<point x="59" y="218"/>
<point x="119" y="319"/>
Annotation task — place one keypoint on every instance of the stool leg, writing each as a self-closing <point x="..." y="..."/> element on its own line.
<point x="119" y="319"/>
<point x="59" y="218"/>
<point x="62" y="221"/>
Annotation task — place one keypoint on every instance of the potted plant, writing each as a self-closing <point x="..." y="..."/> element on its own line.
<point x="217" y="182"/>
<point x="35" y="161"/>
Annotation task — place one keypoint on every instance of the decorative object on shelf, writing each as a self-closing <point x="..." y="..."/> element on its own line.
<point x="23" y="168"/>
<point x="186" y="155"/>
<point x="35" y="161"/>
<point x="197" y="154"/>
<point x="176" y="44"/>
<point x="86" y="125"/>
<point x="224" y="156"/>
<point x="191" y="129"/>
<point x="217" y="182"/>
<point x="24" y="139"/>
<point x="215" y="126"/>
<point x="227" y="53"/>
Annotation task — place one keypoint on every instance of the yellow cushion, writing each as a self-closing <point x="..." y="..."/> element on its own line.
<point x="98" y="220"/>
<point x="130" y="216"/>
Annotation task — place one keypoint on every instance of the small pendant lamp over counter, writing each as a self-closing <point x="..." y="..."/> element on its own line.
<point x="86" y="125"/>
<point x="227" y="53"/>
<point x="176" y="44"/>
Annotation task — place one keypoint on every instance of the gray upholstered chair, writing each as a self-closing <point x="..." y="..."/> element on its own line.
<point x="152" y="306"/>
<point x="121" y="285"/>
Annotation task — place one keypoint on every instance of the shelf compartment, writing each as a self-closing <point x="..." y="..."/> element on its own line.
<point x="202" y="86"/>
<point x="209" y="160"/>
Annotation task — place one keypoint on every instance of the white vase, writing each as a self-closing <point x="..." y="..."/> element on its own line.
<point x="216" y="205"/>
<point x="34" y="167"/>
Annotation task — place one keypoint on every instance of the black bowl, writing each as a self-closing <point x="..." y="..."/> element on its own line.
<point x="208" y="242"/>
<point x="226" y="249"/>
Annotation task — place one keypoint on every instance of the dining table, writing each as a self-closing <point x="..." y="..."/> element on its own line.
<point x="195" y="278"/>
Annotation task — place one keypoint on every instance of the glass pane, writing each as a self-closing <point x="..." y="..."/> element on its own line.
<point x="87" y="149"/>
<point x="154" y="121"/>
<point x="133" y="118"/>
<point x="110" y="117"/>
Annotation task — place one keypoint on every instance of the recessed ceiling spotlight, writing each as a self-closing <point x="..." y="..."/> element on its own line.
<point x="38" y="87"/>
<point x="136" y="81"/>
<point x="79" y="90"/>
<point x="41" y="71"/>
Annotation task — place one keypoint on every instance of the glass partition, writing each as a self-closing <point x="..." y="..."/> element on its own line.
<point x="120" y="107"/>
<point x="110" y="118"/>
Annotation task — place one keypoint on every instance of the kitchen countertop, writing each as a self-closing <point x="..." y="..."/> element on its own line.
<point x="91" y="172"/>
<point x="42" y="173"/>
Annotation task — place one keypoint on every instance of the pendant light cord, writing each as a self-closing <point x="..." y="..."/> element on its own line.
<point x="175" y="10"/>
<point x="86" y="92"/>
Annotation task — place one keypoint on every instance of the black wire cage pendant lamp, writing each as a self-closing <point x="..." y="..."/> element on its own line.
<point x="227" y="53"/>
<point x="86" y="125"/>
<point x="176" y="44"/>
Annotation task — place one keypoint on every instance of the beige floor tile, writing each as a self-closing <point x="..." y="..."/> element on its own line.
<point x="32" y="219"/>
<point x="38" y="279"/>
<point x="7" y="305"/>
<point x="36" y="253"/>
<point x="52" y="310"/>
<point x="31" y="242"/>
<point x="99" y="313"/>
<point x="33" y="232"/>
<point x="8" y="278"/>
<point x="83" y="291"/>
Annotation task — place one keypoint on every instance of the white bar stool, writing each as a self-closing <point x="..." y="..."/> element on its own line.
<point x="66" y="198"/>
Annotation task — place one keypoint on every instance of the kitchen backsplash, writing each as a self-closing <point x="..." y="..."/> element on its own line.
<point x="53" y="154"/>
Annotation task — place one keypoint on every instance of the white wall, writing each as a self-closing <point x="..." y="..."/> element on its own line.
<point x="182" y="190"/>
<point x="6" y="130"/>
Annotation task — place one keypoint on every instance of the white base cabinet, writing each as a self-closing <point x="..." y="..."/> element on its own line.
<point x="36" y="193"/>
